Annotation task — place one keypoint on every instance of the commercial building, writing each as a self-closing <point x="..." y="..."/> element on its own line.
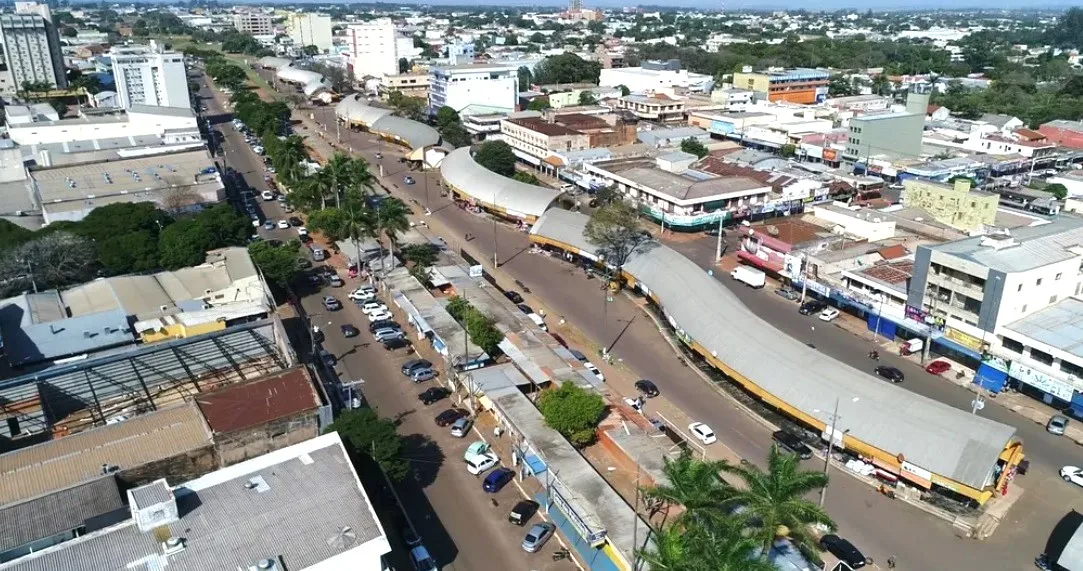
<point x="32" y="50"/>
<point x="656" y="76"/>
<point x="538" y="140"/>
<point x="109" y="128"/>
<point x="149" y="75"/>
<point x="308" y="29"/>
<point x="254" y="23"/>
<point x="891" y="135"/>
<point x="957" y="205"/>
<point x="408" y="84"/>
<point x="507" y="197"/>
<point x="492" y="86"/>
<point x="1064" y="133"/>
<point x="373" y="48"/>
<point x="303" y="504"/>
<point x="805" y="86"/>
<point x="655" y="107"/>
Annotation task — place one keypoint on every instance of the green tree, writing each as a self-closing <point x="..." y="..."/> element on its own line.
<point x="528" y="178"/>
<point x="366" y="435"/>
<point x="526" y="77"/>
<point x="840" y="86"/>
<point x="183" y="244"/>
<point x="614" y="229"/>
<point x="1059" y="191"/>
<point x="587" y="98"/>
<point x="566" y="68"/>
<point x="279" y="264"/>
<point x="404" y="65"/>
<point x="423" y="255"/>
<point x="710" y="544"/>
<point x="572" y="411"/>
<point x="496" y="156"/>
<point x="624" y="91"/>
<point x="691" y="483"/>
<point x="408" y="107"/>
<point x="132" y="252"/>
<point x="222" y="226"/>
<point x="122" y="218"/>
<point x="693" y="146"/>
<point x="311" y="50"/>
<point x="446" y="116"/>
<point x="787" y="150"/>
<point x="11" y="234"/>
<point x="607" y="195"/>
<point x="456" y="135"/>
<point x="538" y="104"/>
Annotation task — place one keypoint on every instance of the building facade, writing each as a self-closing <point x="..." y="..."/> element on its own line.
<point x="538" y="139"/>
<point x="372" y="48"/>
<point x="409" y="84"/>
<point x="654" y="76"/>
<point x="805" y="86"/>
<point x="254" y="23"/>
<point x="957" y="205"/>
<point x="495" y="87"/>
<point x="149" y="75"/>
<point x="306" y="29"/>
<point x="32" y="50"/>
<point x="653" y="107"/>
<point x="897" y="135"/>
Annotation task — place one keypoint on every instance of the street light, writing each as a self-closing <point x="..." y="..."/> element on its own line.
<point x="830" y="443"/>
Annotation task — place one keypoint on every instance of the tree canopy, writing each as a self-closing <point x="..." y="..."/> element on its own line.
<point x="615" y="230"/>
<point x="496" y="156"/>
<point x="694" y="147"/>
<point x="279" y="263"/>
<point x="566" y="68"/>
<point x="572" y="411"/>
<point x="366" y="435"/>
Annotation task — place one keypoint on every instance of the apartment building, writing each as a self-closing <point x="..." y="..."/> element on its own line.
<point x="409" y="84"/>
<point x="254" y="23"/>
<point x="32" y="50"/>
<point x="536" y="140"/>
<point x="657" y="107"/>
<point x="373" y="48"/>
<point x="958" y="205"/>
<point x="488" y="86"/>
<point x="149" y="75"/>
<point x="306" y="29"/>
<point x="805" y="86"/>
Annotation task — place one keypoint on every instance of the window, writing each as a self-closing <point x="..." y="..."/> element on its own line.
<point x="1041" y="356"/>
<point x="13" y="426"/>
<point x="1024" y="309"/>
<point x="1071" y="369"/>
<point x="1052" y="299"/>
<point x="1012" y="345"/>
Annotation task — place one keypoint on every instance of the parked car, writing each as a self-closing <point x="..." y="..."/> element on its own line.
<point x="327" y="358"/>
<point x="829" y="314"/>
<point x="460" y="428"/>
<point x="890" y="373"/>
<point x="433" y="394"/>
<point x="267" y="195"/>
<point x="269" y="225"/>
<point x="331" y="304"/>
<point x="537" y="536"/>
<point x="388" y="333"/>
<point x="811" y="306"/>
<point x="422" y="375"/>
<point x="843" y="550"/>
<point x="590" y="367"/>
<point x="363" y="293"/>
<point x="380" y="315"/>
<point x="938" y="367"/>
<point x="1072" y="475"/>
<point x="295" y="221"/>
<point x="415" y="364"/>
<point x="787" y="293"/>
<point x="514" y="296"/>
<point x="396" y="343"/>
<point x="522" y="512"/>
<point x="525" y="308"/>
<point x="421" y="560"/>
<point x="283" y="225"/>
<point x="497" y="479"/>
<point x="481" y="463"/>
<point x="449" y="416"/>
<point x="349" y="330"/>
<point x="1057" y="424"/>
<point x="646" y="388"/>
<point x="385" y="324"/>
<point x="336" y="281"/>
<point x="302" y="231"/>
<point x="792" y="442"/>
<point x="408" y="180"/>
<point x="702" y="432"/>
<point x="372" y="307"/>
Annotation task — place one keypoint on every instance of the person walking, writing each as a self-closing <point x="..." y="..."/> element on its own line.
<point x="891" y="562"/>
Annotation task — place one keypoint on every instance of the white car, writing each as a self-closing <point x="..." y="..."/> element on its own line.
<point x="479" y="463"/>
<point x="302" y="231"/>
<point x="829" y="314"/>
<point x="702" y="432"/>
<point x="1072" y="475"/>
<point x="283" y="225"/>
<point x="267" y="195"/>
<point x="380" y="315"/>
<point x="373" y="307"/>
<point x="590" y="367"/>
<point x="363" y="293"/>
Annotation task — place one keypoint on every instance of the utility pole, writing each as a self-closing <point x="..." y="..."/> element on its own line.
<point x="496" y="263"/>
<point x="718" y="247"/>
<point x="804" y="276"/>
<point x="830" y="445"/>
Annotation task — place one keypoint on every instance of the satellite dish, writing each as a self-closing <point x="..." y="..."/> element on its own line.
<point x="344" y="539"/>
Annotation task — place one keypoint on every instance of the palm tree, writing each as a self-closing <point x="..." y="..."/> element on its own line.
<point x="669" y="551"/>
<point x="357" y="222"/>
<point x="391" y="220"/>
<point x="361" y="178"/>
<point x="773" y="502"/>
<point x="338" y="173"/>
<point x="703" y="544"/>
<point x="288" y="156"/>
<point x="694" y="484"/>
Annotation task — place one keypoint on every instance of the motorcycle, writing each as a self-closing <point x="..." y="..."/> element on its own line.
<point x="874" y="355"/>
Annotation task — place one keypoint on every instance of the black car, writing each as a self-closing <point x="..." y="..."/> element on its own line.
<point x="350" y="331"/>
<point x="890" y="373"/>
<point x="383" y="324"/>
<point x="522" y="512"/>
<point x="646" y="388"/>
<point x="525" y="308"/>
<point x="432" y="395"/>
<point x="414" y="364"/>
<point x="513" y="296"/>
<point x="792" y="442"/>
<point x="810" y="307"/>
<point x="449" y="416"/>
<point x="295" y="221"/>
<point x="305" y="238"/>
<point x="395" y="343"/>
<point x="843" y="549"/>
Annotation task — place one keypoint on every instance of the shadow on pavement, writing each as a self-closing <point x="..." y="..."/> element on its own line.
<point x="425" y="457"/>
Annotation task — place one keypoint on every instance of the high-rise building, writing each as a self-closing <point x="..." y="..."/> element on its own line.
<point x="373" y="50"/>
<point x="34" y="8"/>
<point x="492" y="87"/>
<point x="32" y="49"/>
<point x="254" y="23"/>
<point x="310" y="30"/>
<point x="149" y="75"/>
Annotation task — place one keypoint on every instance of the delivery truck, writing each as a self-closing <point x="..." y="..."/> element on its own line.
<point x="749" y="276"/>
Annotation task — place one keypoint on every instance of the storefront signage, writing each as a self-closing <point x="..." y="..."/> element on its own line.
<point x="819" y="288"/>
<point x="830" y="154"/>
<point x="791" y="266"/>
<point x="915" y="313"/>
<point x="917" y="471"/>
<point x="1041" y="381"/>
<point x="964" y="339"/>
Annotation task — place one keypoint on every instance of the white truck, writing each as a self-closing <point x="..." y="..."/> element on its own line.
<point x="749" y="276"/>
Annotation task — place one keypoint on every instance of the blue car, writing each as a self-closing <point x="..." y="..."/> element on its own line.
<point x="497" y="479"/>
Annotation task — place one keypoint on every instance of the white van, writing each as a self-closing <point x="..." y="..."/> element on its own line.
<point x="537" y="321"/>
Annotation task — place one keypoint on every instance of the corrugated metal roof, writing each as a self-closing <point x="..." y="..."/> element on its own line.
<point x="468" y="177"/>
<point x="150" y="494"/>
<point x="73" y="459"/>
<point x="1034" y="246"/>
<point x="276" y="396"/>
<point x="58" y="512"/>
<point x="933" y="435"/>
<point x="1060" y="326"/>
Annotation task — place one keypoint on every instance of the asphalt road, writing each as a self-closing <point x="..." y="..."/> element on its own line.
<point x="881" y="527"/>
<point x="456" y="519"/>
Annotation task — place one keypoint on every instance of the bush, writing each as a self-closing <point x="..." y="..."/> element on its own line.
<point x="481" y="330"/>
<point x="572" y="411"/>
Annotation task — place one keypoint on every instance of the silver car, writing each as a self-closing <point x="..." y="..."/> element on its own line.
<point x="460" y="428"/>
<point x="537" y="536"/>
<point x="1057" y="424"/>
<point x="422" y="375"/>
<point x="382" y="335"/>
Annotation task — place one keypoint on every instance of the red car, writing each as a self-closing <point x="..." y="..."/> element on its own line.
<point x="938" y="367"/>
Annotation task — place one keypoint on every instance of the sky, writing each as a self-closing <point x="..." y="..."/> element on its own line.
<point x="822" y="5"/>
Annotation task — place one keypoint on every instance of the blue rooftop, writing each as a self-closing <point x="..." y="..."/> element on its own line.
<point x="799" y="74"/>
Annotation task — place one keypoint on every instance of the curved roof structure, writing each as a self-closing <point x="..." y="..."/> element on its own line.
<point x="483" y="185"/>
<point x="297" y="75"/>
<point x="939" y="438"/>
<point x="354" y="109"/>
<point x="273" y="62"/>
<point x="315" y="87"/>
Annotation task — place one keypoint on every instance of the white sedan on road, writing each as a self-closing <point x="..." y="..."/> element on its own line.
<point x="1072" y="475"/>
<point x="702" y="432"/>
<point x="829" y="314"/>
<point x="363" y="293"/>
<point x="302" y="231"/>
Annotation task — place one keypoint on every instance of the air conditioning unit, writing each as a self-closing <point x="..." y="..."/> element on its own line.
<point x="173" y="545"/>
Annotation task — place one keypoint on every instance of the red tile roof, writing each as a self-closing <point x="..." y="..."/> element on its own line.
<point x="892" y="252"/>
<point x="896" y="273"/>
<point x="1030" y="135"/>
<point x="237" y="407"/>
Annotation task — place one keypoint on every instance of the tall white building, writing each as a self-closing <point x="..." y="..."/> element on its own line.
<point x="149" y="75"/>
<point x="490" y="88"/>
<point x="254" y="23"/>
<point x="310" y="30"/>
<point x="32" y="49"/>
<point x="372" y="47"/>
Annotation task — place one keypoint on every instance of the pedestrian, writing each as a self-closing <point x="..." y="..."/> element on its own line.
<point x="891" y="562"/>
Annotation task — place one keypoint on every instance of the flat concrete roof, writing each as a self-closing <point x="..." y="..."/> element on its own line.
<point x="124" y="177"/>
<point x="1059" y="326"/>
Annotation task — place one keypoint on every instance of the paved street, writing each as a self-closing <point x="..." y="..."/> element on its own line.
<point x="878" y="525"/>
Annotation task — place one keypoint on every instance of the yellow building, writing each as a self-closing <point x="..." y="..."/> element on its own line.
<point x="958" y="205"/>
